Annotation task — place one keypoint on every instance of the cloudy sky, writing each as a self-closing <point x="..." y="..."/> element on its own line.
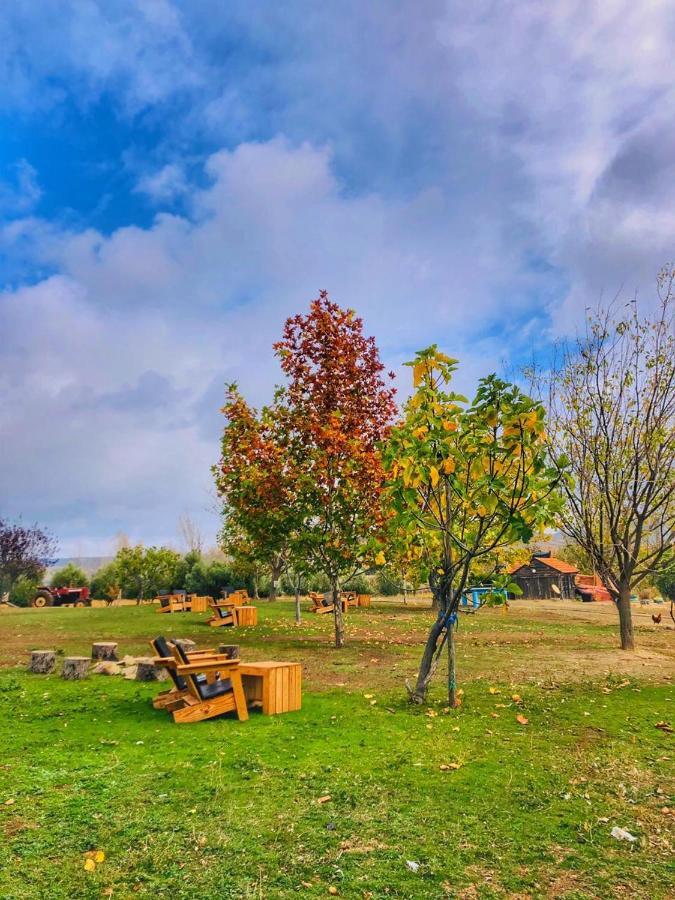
<point x="178" y="176"/>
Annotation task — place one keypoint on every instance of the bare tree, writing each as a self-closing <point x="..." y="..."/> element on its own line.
<point x="611" y="399"/>
<point x="191" y="534"/>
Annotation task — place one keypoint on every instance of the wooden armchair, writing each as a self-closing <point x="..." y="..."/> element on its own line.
<point x="224" y="613"/>
<point x="213" y="687"/>
<point x="322" y="603"/>
<point x="173" y="603"/>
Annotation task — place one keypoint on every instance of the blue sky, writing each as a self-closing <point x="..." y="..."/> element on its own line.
<point x="178" y="176"/>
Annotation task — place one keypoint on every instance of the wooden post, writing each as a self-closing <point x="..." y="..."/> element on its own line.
<point x="42" y="662"/>
<point x="185" y="643"/>
<point x="106" y="650"/>
<point x="231" y="651"/>
<point x="75" y="668"/>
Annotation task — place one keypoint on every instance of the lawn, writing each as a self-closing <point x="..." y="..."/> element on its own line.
<point x="422" y="802"/>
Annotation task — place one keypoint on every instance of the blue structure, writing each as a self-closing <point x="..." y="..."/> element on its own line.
<point x="474" y="595"/>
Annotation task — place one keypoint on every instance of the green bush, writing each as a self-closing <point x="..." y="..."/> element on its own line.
<point x="389" y="583"/>
<point x="69" y="575"/>
<point x="23" y="591"/>
<point x="105" y="582"/>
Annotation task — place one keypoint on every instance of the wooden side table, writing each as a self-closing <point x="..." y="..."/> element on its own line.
<point x="274" y="686"/>
<point x="246" y="615"/>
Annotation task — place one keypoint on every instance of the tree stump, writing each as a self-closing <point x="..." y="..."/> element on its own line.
<point x="75" y="668"/>
<point x="231" y="651"/>
<point x="146" y="670"/>
<point x="42" y="662"/>
<point x="185" y="643"/>
<point x="104" y="650"/>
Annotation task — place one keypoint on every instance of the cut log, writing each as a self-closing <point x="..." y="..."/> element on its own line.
<point x="75" y="668"/>
<point x="42" y="662"/>
<point x="106" y="650"/>
<point x="185" y="643"/>
<point x="146" y="670"/>
<point x="231" y="651"/>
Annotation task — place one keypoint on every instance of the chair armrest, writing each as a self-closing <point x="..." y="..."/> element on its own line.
<point x="166" y="662"/>
<point x="216" y="664"/>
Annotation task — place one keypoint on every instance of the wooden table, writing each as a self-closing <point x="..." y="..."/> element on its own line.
<point x="274" y="686"/>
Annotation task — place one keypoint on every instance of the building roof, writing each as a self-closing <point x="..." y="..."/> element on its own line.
<point x="558" y="564"/>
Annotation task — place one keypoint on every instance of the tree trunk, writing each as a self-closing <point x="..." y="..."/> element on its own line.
<point x="298" y="611"/>
<point x="424" y="673"/>
<point x="256" y="594"/>
<point x="452" y="668"/>
<point x="625" y="618"/>
<point x="337" y="615"/>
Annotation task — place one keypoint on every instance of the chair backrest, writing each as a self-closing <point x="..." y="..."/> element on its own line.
<point x="199" y="687"/>
<point x="163" y="650"/>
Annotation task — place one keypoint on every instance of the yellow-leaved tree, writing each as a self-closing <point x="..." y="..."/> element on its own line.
<point x="465" y="480"/>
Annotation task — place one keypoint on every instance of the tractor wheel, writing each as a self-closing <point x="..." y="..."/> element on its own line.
<point x="41" y="599"/>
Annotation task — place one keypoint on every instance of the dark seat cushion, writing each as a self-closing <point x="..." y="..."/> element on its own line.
<point x="215" y="689"/>
<point x="224" y="613"/>
<point x="162" y="649"/>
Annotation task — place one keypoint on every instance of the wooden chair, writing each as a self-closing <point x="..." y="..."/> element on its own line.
<point x="321" y="603"/>
<point x="165" y="652"/>
<point x="224" y="613"/>
<point x="173" y="603"/>
<point x="208" y="696"/>
<point x="240" y="597"/>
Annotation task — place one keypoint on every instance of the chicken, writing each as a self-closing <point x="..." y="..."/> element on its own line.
<point x="656" y="619"/>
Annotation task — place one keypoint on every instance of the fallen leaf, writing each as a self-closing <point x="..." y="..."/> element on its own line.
<point x="11" y="800"/>
<point x="324" y="799"/>
<point x="89" y="865"/>
<point x="521" y="719"/>
<point x="493" y="690"/>
<point x="516" y="698"/>
<point x="332" y="890"/>
<point x="446" y="767"/>
<point x="664" y="726"/>
<point x="99" y="856"/>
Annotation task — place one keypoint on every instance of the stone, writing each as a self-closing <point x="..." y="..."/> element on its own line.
<point x="107" y="667"/>
<point x="130" y="672"/>
<point x="75" y="668"/>
<point x="42" y="662"/>
<point x="104" y="650"/>
<point x="128" y="660"/>
<point x="231" y="651"/>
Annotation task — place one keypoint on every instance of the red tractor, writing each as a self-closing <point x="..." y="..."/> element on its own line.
<point x="46" y="596"/>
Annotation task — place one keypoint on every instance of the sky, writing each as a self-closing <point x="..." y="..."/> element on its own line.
<point x="179" y="176"/>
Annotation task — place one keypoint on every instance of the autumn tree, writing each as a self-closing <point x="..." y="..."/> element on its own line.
<point x="25" y="551"/>
<point x="464" y="481"/>
<point x="256" y="479"/>
<point x="611" y="411"/>
<point x="339" y="410"/>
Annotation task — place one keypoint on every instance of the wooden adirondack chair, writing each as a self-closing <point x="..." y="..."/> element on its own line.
<point x="173" y="603"/>
<point x="165" y="651"/>
<point x="207" y="695"/>
<point x="321" y="603"/>
<point x="224" y="613"/>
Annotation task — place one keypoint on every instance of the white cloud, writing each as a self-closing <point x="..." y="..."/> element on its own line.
<point x="114" y="367"/>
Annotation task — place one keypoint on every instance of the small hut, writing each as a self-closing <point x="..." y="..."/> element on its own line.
<point x="545" y="578"/>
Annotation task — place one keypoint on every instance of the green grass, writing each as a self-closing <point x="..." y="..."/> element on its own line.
<point x="223" y="809"/>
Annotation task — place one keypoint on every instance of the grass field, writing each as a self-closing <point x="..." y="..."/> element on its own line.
<point x="481" y="805"/>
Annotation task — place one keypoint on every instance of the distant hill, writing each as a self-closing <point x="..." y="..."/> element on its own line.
<point x="90" y="564"/>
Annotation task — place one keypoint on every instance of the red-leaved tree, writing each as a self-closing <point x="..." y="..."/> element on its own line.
<point x="339" y="410"/>
<point x="256" y="480"/>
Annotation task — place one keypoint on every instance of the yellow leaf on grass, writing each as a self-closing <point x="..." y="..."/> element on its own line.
<point x="89" y="865"/>
<point x="521" y="720"/>
<point x="516" y="698"/>
<point x="493" y="690"/>
<point x="99" y="856"/>
<point x="324" y="799"/>
<point x="447" y="767"/>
